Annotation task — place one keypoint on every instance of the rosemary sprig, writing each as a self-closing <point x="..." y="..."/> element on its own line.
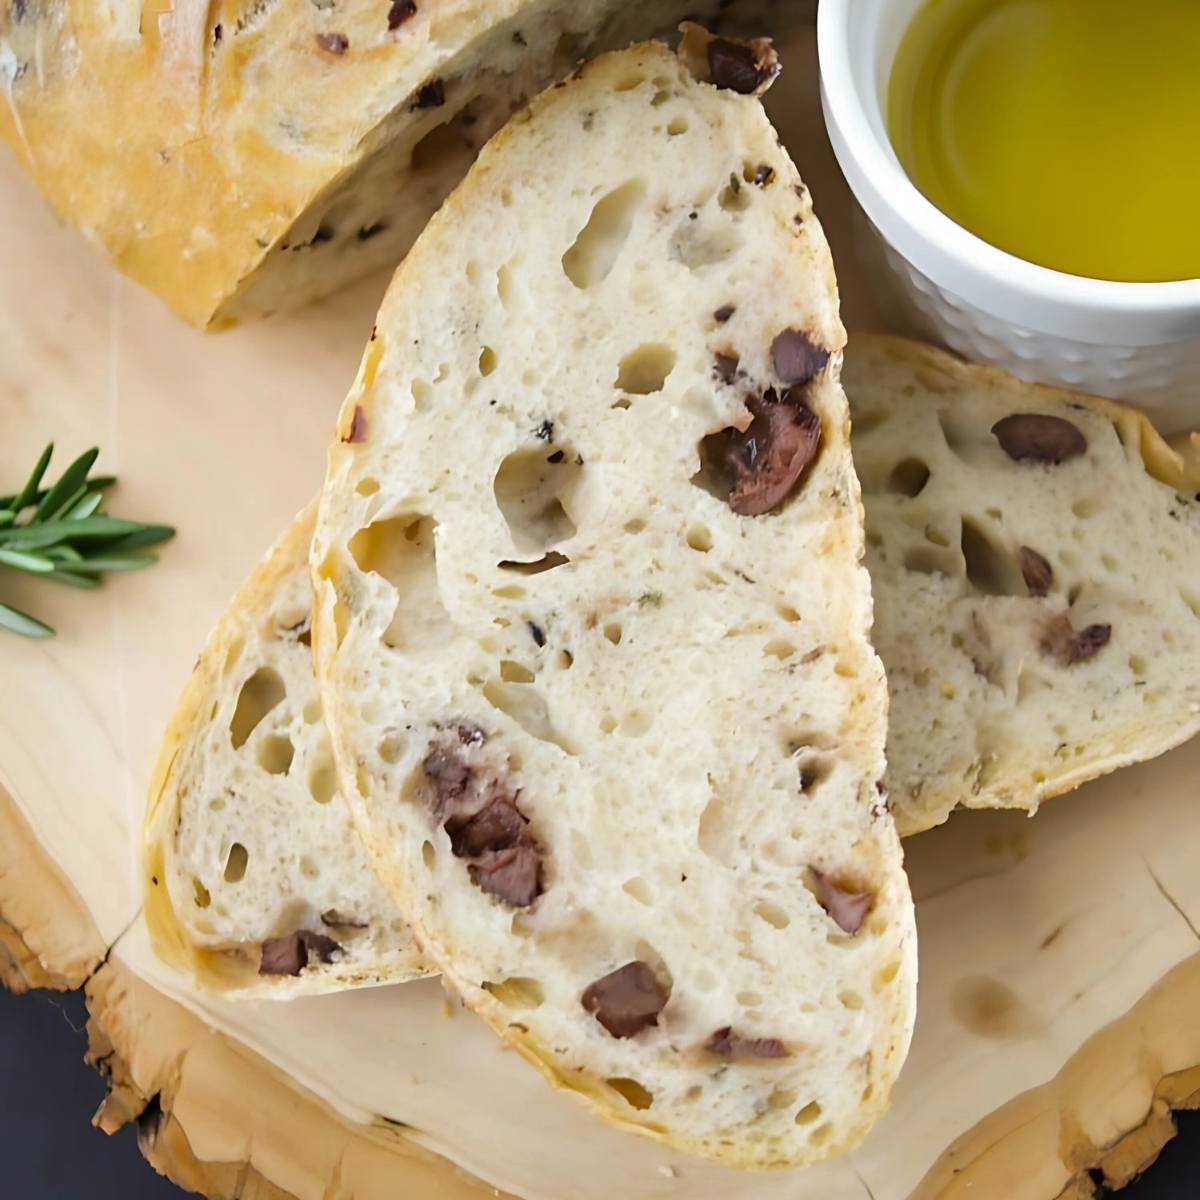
<point x="61" y="533"/>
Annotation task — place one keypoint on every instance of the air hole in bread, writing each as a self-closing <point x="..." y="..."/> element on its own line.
<point x="868" y="1092"/>
<point x="716" y="833"/>
<point x="515" y="672"/>
<point x="1191" y="599"/>
<point x="309" y="868"/>
<point x="594" y="253"/>
<point x="422" y="394"/>
<point x="990" y="569"/>
<point x="517" y="991"/>
<point x="851" y="1000"/>
<point x="504" y="282"/>
<point x="908" y="477"/>
<point x="704" y="243"/>
<point x="781" y="1098"/>
<point x="275" y="754"/>
<point x="936" y="536"/>
<point x="819" y="1135"/>
<point x="1073" y="594"/>
<point x="644" y="370"/>
<point x="924" y="560"/>
<point x="258" y="696"/>
<point x="428" y="855"/>
<point x="564" y="660"/>
<point x="322" y="780"/>
<point x="608" y="723"/>
<point x="809" y="1113"/>
<point x="734" y="196"/>
<point x="527" y="706"/>
<point x="200" y="893"/>
<point x="635" y="526"/>
<point x="487" y="361"/>
<point x="623" y="403"/>
<point x="546" y="563"/>
<point x="217" y="804"/>
<point x="964" y="438"/>
<point x="749" y="999"/>
<point x="787" y="612"/>
<point x="714" y="476"/>
<point x="660" y="97"/>
<point x="772" y="914"/>
<point x="627" y="83"/>
<point x="694" y="1092"/>
<point x="235" y="863"/>
<point x="699" y="537"/>
<point x="1086" y="506"/>
<point x="534" y="489"/>
<point x="676" y="126"/>
<point x="613" y="632"/>
<point x="1138" y="665"/>
<point x="885" y="975"/>
<point x="632" y="1092"/>
<point x="639" y="889"/>
<point x="779" y="649"/>
<point x="367" y="486"/>
<point x="401" y="550"/>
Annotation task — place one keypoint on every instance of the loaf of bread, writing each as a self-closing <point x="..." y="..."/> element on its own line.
<point x="1035" y="558"/>
<point x="592" y="627"/>
<point x="239" y="156"/>
<point x="256" y="883"/>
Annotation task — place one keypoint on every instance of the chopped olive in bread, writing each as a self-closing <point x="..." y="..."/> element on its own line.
<point x="255" y="881"/>
<point x="1035" y="559"/>
<point x="592" y="627"/>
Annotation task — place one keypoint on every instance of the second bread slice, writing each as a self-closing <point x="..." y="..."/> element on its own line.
<point x="592" y="627"/>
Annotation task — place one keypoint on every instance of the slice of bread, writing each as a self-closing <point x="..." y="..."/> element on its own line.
<point x="255" y="880"/>
<point x="1035" y="557"/>
<point x="592" y="628"/>
<point x="241" y="156"/>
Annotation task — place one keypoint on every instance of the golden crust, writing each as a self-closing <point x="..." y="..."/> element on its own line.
<point x="185" y="139"/>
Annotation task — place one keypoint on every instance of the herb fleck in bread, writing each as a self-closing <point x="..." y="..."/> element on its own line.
<point x="240" y="156"/>
<point x="592" y="628"/>
<point x="1035" y="558"/>
<point x="256" y="882"/>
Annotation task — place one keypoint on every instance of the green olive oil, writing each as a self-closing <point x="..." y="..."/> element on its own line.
<point x="1066" y="132"/>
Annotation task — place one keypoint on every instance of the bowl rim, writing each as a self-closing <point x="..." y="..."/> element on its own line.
<point x="908" y="206"/>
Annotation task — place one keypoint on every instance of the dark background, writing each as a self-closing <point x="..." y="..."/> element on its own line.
<point x="49" y="1151"/>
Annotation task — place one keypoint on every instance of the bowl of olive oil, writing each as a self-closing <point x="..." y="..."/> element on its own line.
<point x="1030" y="175"/>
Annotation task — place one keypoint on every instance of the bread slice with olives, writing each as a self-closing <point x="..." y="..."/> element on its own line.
<point x="592" y="627"/>
<point x="1035" y="557"/>
<point x="256" y="883"/>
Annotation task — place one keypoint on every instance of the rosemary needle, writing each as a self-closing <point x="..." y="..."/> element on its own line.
<point x="61" y="533"/>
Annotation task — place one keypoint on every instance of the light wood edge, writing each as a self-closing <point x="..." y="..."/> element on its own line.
<point x="218" y="1119"/>
<point x="47" y="936"/>
<point x="1101" y="1121"/>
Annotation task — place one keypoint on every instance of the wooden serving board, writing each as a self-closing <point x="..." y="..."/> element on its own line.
<point x="1060" y="996"/>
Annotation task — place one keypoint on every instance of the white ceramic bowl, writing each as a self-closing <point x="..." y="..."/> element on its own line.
<point x="1136" y="341"/>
